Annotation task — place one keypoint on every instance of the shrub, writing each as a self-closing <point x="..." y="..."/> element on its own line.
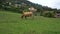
<point x="49" y="14"/>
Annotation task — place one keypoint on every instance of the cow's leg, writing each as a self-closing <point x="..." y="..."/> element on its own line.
<point x="22" y="16"/>
<point x="32" y="16"/>
<point x="25" y="17"/>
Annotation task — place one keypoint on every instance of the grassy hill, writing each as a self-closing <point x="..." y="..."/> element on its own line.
<point x="11" y="23"/>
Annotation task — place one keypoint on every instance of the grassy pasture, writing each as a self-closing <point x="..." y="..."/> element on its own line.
<point x="11" y="23"/>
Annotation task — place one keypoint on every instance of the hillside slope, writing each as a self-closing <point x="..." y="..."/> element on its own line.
<point x="11" y="23"/>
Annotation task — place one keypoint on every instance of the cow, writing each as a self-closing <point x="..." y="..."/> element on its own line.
<point x="27" y="14"/>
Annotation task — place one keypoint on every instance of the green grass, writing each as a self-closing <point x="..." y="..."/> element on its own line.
<point x="11" y="23"/>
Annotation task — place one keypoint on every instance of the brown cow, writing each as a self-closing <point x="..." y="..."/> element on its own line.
<point x="32" y="10"/>
<point x="27" y="14"/>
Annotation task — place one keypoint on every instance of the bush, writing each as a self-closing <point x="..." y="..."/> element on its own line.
<point x="48" y="14"/>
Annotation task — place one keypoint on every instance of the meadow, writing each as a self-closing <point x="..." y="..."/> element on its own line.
<point x="11" y="23"/>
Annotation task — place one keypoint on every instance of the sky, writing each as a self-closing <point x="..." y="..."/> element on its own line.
<point x="49" y="3"/>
